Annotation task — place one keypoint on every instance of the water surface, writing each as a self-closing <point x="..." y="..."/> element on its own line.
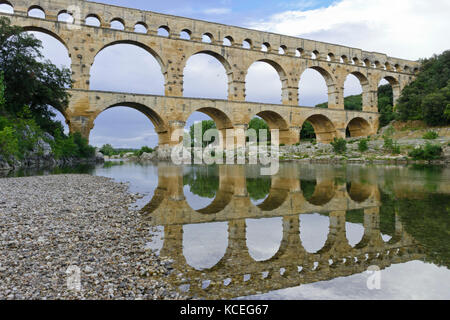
<point x="310" y="232"/>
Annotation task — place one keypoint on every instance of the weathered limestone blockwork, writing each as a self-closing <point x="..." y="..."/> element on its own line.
<point x="168" y="113"/>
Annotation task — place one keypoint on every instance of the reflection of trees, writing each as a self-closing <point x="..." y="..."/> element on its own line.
<point x="258" y="188"/>
<point x="308" y="188"/>
<point x="203" y="181"/>
<point x="428" y="221"/>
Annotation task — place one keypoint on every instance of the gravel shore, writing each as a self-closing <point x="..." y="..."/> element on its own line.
<point x="54" y="228"/>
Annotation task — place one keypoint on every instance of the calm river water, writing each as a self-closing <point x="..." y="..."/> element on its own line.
<point x="310" y="232"/>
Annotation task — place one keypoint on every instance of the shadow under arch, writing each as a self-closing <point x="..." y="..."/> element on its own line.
<point x="221" y="120"/>
<point x="274" y="120"/>
<point x="275" y="199"/>
<point x="318" y="193"/>
<point x="358" y="127"/>
<point x="140" y="45"/>
<point x="323" y="128"/>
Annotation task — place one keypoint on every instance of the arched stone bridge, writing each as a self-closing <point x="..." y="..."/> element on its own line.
<point x="237" y="273"/>
<point x="236" y="48"/>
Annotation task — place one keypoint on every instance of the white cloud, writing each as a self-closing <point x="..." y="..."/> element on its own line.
<point x="409" y="29"/>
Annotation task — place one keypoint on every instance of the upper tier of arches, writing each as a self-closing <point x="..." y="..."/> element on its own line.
<point x="197" y="30"/>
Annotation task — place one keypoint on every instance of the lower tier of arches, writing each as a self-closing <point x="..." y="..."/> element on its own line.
<point x="169" y="116"/>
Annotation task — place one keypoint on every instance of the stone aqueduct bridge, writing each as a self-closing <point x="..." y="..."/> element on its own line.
<point x="237" y="273"/>
<point x="170" y="112"/>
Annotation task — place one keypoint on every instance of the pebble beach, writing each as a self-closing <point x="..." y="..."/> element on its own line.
<point x="66" y="237"/>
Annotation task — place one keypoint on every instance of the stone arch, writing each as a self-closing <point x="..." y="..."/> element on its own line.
<point x="7" y="6"/>
<point x="222" y="120"/>
<point x="141" y="25"/>
<point x="36" y="7"/>
<point x="223" y="61"/>
<point x="163" y="31"/>
<point x="155" y="54"/>
<point x="157" y="121"/>
<point x="93" y="20"/>
<point x="186" y="34"/>
<point x="395" y="84"/>
<point x="329" y="81"/>
<point x="48" y="32"/>
<point x="119" y="20"/>
<point x="65" y="16"/>
<point x="359" y="127"/>
<point x="274" y="120"/>
<point x="365" y="88"/>
<point x="323" y="127"/>
<point x="282" y="76"/>
<point x="229" y="40"/>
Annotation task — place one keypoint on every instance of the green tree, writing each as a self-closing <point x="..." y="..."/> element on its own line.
<point x="258" y="124"/>
<point x="107" y="150"/>
<point x="386" y="104"/>
<point x="30" y="80"/>
<point x="205" y="126"/>
<point x="307" y="132"/>
<point x="2" y="94"/>
<point x="425" y="98"/>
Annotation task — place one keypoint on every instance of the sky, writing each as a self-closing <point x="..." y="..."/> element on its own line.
<point x="410" y="29"/>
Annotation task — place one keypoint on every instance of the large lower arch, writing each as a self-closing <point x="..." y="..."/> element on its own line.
<point x="323" y="127"/>
<point x="222" y="121"/>
<point x="46" y="31"/>
<point x="359" y="127"/>
<point x="153" y="116"/>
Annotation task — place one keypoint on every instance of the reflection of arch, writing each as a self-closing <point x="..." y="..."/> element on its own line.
<point x="275" y="199"/>
<point x="359" y="127"/>
<point x="324" y="192"/>
<point x="323" y="128"/>
<point x="274" y="120"/>
<point x="359" y="192"/>
<point x="221" y="201"/>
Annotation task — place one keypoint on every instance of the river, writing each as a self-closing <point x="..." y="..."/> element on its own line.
<point x="310" y="232"/>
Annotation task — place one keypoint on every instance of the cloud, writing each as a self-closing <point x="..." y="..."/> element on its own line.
<point x="409" y="29"/>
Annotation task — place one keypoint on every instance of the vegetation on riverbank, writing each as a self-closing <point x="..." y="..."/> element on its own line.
<point x="28" y="86"/>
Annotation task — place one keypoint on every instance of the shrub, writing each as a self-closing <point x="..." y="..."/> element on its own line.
<point x="143" y="150"/>
<point x="363" y="145"/>
<point x="429" y="152"/>
<point x="9" y="144"/>
<point x="391" y="146"/>
<point x="339" y="145"/>
<point x="430" y="135"/>
<point x="107" y="150"/>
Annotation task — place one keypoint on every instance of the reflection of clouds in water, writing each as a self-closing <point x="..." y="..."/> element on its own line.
<point x="264" y="237"/>
<point x="354" y="233"/>
<point x="205" y="244"/>
<point x="313" y="231"/>
<point x="143" y="179"/>
<point x="412" y="280"/>
<point x="157" y="241"/>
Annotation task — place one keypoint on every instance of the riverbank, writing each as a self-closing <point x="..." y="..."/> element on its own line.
<point x="51" y="227"/>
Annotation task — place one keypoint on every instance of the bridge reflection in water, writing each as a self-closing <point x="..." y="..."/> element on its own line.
<point x="237" y="274"/>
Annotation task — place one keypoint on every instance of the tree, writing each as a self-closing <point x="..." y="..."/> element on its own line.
<point x="426" y="98"/>
<point x="107" y="150"/>
<point x="386" y="104"/>
<point x="258" y="124"/>
<point x="205" y="126"/>
<point x="30" y="80"/>
<point x="2" y="94"/>
<point x="307" y="132"/>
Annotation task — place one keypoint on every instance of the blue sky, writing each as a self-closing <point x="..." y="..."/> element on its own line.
<point x="409" y="29"/>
